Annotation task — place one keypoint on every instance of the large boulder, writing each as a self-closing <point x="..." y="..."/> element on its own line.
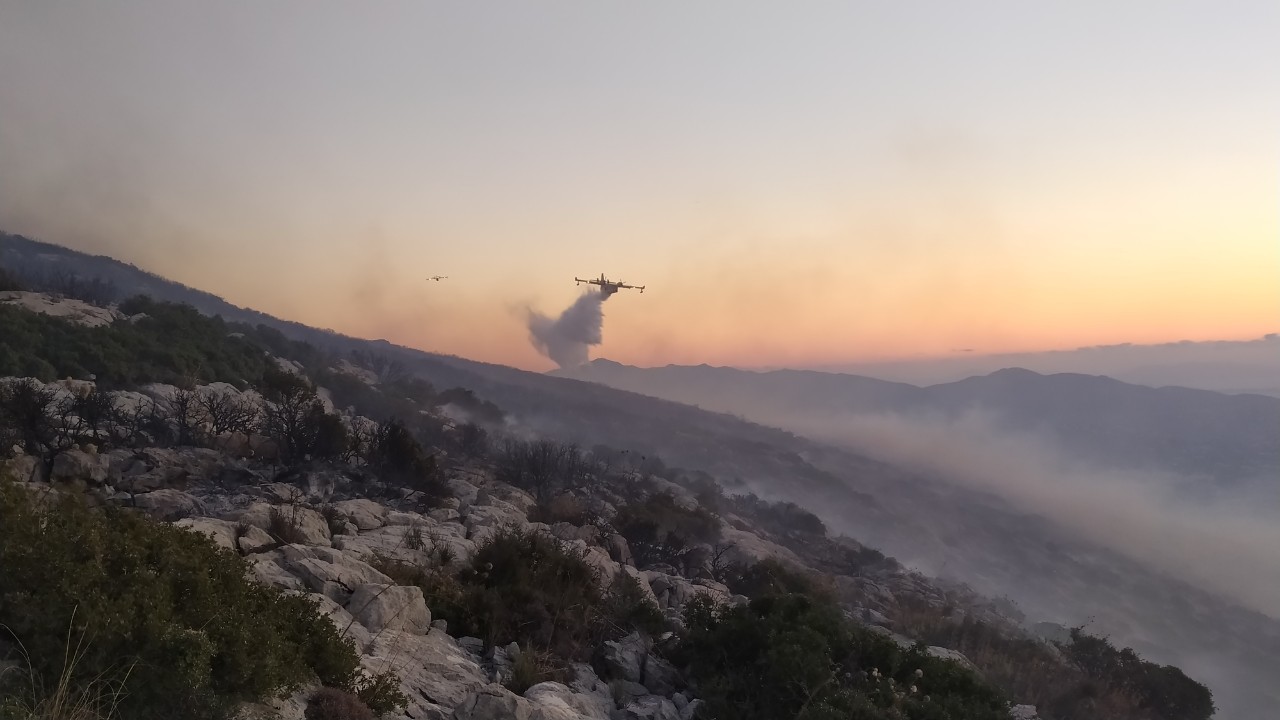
<point x="1024" y="712"/>
<point x="630" y="659"/>
<point x="330" y="572"/>
<point x="619" y="550"/>
<point x="253" y="539"/>
<point x="674" y="591"/>
<point x="649" y="707"/>
<point x="365" y="514"/>
<point x="495" y="492"/>
<point x="465" y="492"/>
<point x="747" y="548"/>
<point x="309" y="526"/>
<point x="641" y="582"/>
<point x="222" y="532"/>
<point x="76" y="311"/>
<point x="952" y="655"/>
<point x="23" y="468"/>
<point x="420" y="543"/>
<point x="493" y="702"/>
<point x="155" y="468"/>
<point x="168" y="504"/>
<point x="76" y="465"/>
<point x="395" y="607"/>
<point x="569" y="532"/>
<point x="348" y="627"/>
<point x="435" y="673"/>
<point x="555" y="701"/>
<point x="268" y="569"/>
<point x="492" y="516"/>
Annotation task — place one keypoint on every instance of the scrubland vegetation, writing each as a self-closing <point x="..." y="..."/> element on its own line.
<point x="163" y="624"/>
<point x="166" y="623"/>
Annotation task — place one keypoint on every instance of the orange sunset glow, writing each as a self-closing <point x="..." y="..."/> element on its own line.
<point x="865" y="182"/>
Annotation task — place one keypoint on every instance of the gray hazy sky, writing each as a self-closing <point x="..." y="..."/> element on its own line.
<point x="797" y="183"/>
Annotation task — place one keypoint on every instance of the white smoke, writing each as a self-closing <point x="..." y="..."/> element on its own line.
<point x="567" y="339"/>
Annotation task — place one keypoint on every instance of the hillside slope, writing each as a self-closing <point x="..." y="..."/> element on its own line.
<point x="915" y="516"/>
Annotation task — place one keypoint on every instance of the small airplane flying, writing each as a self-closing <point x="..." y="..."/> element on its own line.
<point x="438" y="278"/>
<point x="609" y="287"/>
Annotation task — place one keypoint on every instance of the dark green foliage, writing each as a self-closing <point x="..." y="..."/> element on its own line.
<point x="334" y="704"/>
<point x="162" y="610"/>
<point x="275" y="341"/>
<point x="531" y="667"/>
<point x="405" y="399"/>
<point x="529" y="588"/>
<point x="795" y="656"/>
<point x="63" y="283"/>
<point x="381" y="693"/>
<point x="1161" y="692"/>
<point x="771" y="577"/>
<point x="660" y="530"/>
<point x="173" y="344"/>
<point x="1098" y="681"/>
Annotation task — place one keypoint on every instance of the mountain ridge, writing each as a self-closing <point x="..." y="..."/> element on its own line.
<point x="915" y="515"/>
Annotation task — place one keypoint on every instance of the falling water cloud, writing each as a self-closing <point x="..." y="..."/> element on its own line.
<point x="567" y="339"/>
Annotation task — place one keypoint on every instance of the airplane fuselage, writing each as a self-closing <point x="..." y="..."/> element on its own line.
<point x="609" y="287"/>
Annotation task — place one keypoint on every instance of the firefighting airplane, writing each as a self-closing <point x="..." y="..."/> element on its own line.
<point x="438" y="278"/>
<point x="609" y="287"/>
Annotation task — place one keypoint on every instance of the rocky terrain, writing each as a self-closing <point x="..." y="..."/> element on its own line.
<point x="338" y="536"/>
<point x="328" y="520"/>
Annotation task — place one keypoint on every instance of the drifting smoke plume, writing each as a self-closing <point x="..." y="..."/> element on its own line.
<point x="567" y="339"/>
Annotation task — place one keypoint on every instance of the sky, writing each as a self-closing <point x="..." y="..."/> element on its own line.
<point x="795" y="184"/>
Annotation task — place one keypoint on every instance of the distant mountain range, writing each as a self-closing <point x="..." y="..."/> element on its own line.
<point x="1197" y="433"/>
<point x="1229" y="366"/>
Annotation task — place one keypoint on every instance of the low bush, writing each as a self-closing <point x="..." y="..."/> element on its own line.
<point x="529" y="588"/>
<point x="334" y="704"/>
<point x="563" y="508"/>
<point x="660" y="530"/>
<point x="793" y="655"/>
<point x="398" y="458"/>
<point x="171" y="343"/>
<point x="541" y="467"/>
<point x="171" y="618"/>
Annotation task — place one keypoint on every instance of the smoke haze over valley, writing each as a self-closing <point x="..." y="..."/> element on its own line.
<point x="948" y="384"/>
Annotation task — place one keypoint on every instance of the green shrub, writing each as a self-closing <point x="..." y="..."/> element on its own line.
<point x="660" y="530"/>
<point x="1164" y="692"/>
<point x="529" y="588"/>
<point x="795" y="656"/>
<point x="530" y="668"/>
<point x="334" y="704"/>
<point x="171" y="343"/>
<point x="283" y="526"/>
<point x="166" y="613"/>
